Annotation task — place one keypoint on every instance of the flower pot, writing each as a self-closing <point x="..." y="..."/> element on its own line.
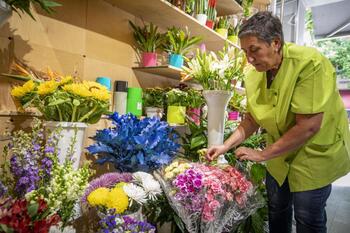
<point x="154" y="112"/>
<point x="194" y="114"/>
<point x="149" y="59"/>
<point x="210" y="24"/>
<point x="202" y="18"/>
<point x="233" y="116"/>
<point x="176" y="60"/>
<point x="233" y="39"/>
<point x="217" y="102"/>
<point x="176" y="115"/>
<point x="5" y="12"/>
<point x="222" y="31"/>
<point x="66" y="138"/>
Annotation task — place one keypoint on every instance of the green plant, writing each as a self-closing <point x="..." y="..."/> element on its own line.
<point x="153" y="97"/>
<point x="211" y="13"/>
<point x="176" y="97"/>
<point x="247" y="4"/>
<point x="24" y="6"/>
<point x="201" y="6"/>
<point x="236" y="102"/>
<point x="147" y="38"/>
<point x="189" y="6"/>
<point x="179" y="41"/>
<point x="233" y="30"/>
<point x="194" y="98"/>
<point x="222" y="23"/>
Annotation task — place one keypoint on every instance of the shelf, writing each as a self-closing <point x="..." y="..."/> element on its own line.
<point x="166" y="71"/>
<point x="17" y="113"/>
<point x="228" y="7"/>
<point x="165" y="15"/>
<point x="262" y="2"/>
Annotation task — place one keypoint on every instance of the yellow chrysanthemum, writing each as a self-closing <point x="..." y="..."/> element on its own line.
<point x="120" y="185"/>
<point x="47" y="87"/>
<point x="77" y="89"/>
<point x="65" y="80"/>
<point x="118" y="200"/>
<point x="98" y="196"/>
<point x="20" y="91"/>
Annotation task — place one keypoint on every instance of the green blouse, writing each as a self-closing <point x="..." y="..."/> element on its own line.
<point x="304" y="84"/>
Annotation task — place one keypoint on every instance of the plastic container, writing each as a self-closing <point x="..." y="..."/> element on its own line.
<point x="134" y="101"/>
<point x="120" y="97"/>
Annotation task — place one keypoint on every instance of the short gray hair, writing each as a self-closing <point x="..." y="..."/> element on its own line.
<point x="264" y="26"/>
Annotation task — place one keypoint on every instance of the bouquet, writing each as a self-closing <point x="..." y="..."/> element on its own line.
<point x="121" y="193"/>
<point x="120" y="224"/>
<point x="18" y="215"/>
<point x="33" y="173"/>
<point x="208" y="198"/>
<point x="64" y="100"/>
<point x="136" y="145"/>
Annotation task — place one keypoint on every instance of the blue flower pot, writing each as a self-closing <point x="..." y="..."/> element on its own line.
<point x="176" y="60"/>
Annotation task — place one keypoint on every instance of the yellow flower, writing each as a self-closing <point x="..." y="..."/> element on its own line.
<point x="20" y="91"/>
<point x="65" y="80"/>
<point x="98" y="196"/>
<point x="120" y="184"/>
<point x="97" y="90"/>
<point x="77" y="89"/>
<point x="47" y="87"/>
<point x="118" y="200"/>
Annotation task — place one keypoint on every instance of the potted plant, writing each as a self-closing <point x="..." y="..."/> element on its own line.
<point x="211" y="14"/>
<point x="233" y="30"/>
<point x="148" y="40"/>
<point x="216" y="73"/>
<point x="178" y="43"/>
<point x="195" y="101"/>
<point x="201" y="10"/>
<point x="222" y="26"/>
<point x="153" y="101"/>
<point x="190" y="6"/>
<point x="236" y="106"/>
<point x="176" y="101"/>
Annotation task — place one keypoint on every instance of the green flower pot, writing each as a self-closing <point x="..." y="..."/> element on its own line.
<point x="176" y="114"/>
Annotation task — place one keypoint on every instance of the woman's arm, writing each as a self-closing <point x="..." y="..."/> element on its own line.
<point x="306" y="126"/>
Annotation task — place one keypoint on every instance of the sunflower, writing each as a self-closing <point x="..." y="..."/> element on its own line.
<point x="118" y="200"/>
<point x="21" y="91"/>
<point x="47" y="87"/>
<point x="97" y="90"/>
<point x="65" y="80"/>
<point x="98" y="196"/>
<point x="77" y="89"/>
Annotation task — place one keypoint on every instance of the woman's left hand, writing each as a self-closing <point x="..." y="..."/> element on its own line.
<point x="245" y="153"/>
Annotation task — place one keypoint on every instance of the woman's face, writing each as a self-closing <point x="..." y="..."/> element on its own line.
<point x="260" y="54"/>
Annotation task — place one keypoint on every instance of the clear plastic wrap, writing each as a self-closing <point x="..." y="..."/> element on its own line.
<point x="209" y="198"/>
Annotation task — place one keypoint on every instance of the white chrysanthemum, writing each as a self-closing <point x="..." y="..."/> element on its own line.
<point x="152" y="188"/>
<point x="135" y="192"/>
<point x="141" y="176"/>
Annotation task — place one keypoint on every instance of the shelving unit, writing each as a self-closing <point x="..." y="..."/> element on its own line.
<point x="165" y="15"/>
<point x="166" y="71"/>
<point x="228" y="7"/>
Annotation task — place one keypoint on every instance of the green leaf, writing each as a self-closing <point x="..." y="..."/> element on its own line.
<point x="258" y="173"/>
<point x="6" y="229"/>
<point x="198" y="141"/>
<point x="33" y="209"/>
<point x="76" y="102"/>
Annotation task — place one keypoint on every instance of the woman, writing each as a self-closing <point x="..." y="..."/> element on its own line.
<point x="292" y="94"/>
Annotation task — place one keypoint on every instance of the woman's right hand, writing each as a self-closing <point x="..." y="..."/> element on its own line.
<point x="214" y="151"/>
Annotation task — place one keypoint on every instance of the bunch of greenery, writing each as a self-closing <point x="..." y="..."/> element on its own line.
<point x="211" y="13"/>
<point x="153" y="97"/>
<point x="247" y="4"/>
<point x="176" y="97"/>
<point x="201" y="6"/>
<point x="179" y="42"/>
<point x="147" y="38"/>
<point x="222" y="23"/>
<point x="194" y="98"/>
<point x="24" y="5"/>
<point x="233" y="30"/>
<point x="236" y="102"/>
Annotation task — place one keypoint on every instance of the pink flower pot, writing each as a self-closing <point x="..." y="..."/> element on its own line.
<point x="233" y="116"/>
<point x="194" y="114"/>
<point x="149" y="59"/>
<point x="210" y="24"/>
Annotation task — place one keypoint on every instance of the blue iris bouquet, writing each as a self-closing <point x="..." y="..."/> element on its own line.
<point x="136" y="145"/>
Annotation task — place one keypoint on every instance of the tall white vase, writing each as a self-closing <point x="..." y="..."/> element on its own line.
<point x="66" y="138"/>
<point x="217" y="102"/>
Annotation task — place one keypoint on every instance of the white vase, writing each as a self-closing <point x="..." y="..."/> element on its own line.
<point x="217" y="102"/>
<point x="202" y="18"/>
<point x="154" y="112"/>
<point x="5" y="12"/>
<point x="66" y="137"/>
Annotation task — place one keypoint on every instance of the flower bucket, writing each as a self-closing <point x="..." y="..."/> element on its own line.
<point x="176" y="115"/>
<point x="5" y="12"/>
<point x="233" y="39"/>
<point x="217" y="102"/>
<point x="222" y="31"/>
<point x="194" y="114"/>
<point x="176" y="60"/>
<point x="233" y="116"/>
<point x="202" y="18"/>
<point x="154" y="112"/>
<point x="210" y="24"/>
<point x="66" y="138"/>
<point x="149" y="59"/>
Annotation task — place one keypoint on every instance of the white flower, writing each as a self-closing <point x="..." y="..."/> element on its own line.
<point x="141" y="176"/>
<point x="152" y="188"/>
<point x="135" y="192"/>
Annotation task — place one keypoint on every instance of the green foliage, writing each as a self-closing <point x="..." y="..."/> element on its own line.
<point x="153" y="97"/>
<point x="201" y="6"/>
<point x="147" y="38"/>
<point x="222" y="23"/>
<point x="236" y="102"/>
<point x="179" y="41"/>
<point x="247" y="4"/>
<point x="212" y="13"/>
<point x="24" y="6"/>
<point x="176" y="97"/>
<point x="189" y="6"/>
<point x="338" y="52"/>
<point x="194" y="98"/>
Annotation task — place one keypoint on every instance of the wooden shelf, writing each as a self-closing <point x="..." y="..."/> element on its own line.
<point x="17" y="113"/>
<point x="165" y="15"/>
<point x="166" y="71"/>
<point x="228" y="7"/>
<point x="262" y="2"/>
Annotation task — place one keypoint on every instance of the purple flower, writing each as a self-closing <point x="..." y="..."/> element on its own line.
<point x="49" y="149"/>
<point x="3" y="189"/>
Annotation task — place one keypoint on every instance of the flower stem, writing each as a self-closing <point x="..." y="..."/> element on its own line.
<point x="88" y="114"/>
<point x="59" y="113"/>
<point x="74" y="113"/>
